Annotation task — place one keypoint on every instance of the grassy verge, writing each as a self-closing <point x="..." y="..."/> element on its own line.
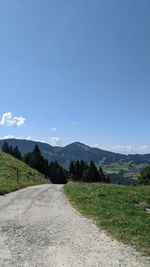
<point x="8" y="175"/>
<point x="122" y="211"/>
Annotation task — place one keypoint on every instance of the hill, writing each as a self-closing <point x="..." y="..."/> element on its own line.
<point x="14" y="174"/>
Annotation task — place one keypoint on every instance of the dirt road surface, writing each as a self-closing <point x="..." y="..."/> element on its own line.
<point x="38" y="228"/>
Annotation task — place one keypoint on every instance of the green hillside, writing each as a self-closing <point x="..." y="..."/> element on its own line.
<point x="14" y="174"/>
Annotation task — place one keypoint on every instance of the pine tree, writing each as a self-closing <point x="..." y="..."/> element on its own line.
<point x="86" y="174"/>
<point x="61" y="177"/>
<point x="46" y="167"/>
<point x="77" y="170"/>
<point x="27" y="157"/>
<point x="36" y="159"/>
<point x="5" y="147"/>
<point x="82" y="166"/>
<point x="93" y="172"/>
<point x="57" y="174"/>
<point x="72" y="170"/>
<point x="108" y="180"/>
<point x="102" y="176"/>
<point x="16" y="153"/>
<point x="11" y="150"/>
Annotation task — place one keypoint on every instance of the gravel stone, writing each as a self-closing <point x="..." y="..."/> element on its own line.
<point x="39" y="228"/>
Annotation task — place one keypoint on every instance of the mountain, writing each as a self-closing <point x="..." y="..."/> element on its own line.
<point x="122" y="169"/>
<point x="78" y="151"/>
<point x="74" y="151"/>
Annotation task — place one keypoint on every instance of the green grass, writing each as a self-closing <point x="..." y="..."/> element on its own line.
<point x="8" y="178"/>
<point x="120" y="210"/>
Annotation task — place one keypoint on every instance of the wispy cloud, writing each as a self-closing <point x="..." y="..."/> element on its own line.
<point x="8" y="120"/>
<point x="74" y="122"/>
<point x="53" y="129"/>
<point x="125" y="149"/>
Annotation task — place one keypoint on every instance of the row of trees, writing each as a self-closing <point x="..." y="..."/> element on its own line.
<point x="78" y="170"/>
<point x="82" y="171"/>
<point x="15" y="152"/>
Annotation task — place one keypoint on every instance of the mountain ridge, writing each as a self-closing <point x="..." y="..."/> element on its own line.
<point x="74" y="151"/>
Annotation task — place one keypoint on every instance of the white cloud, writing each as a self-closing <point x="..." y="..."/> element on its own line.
<point x="7" y="137"/>
<point x="28" y="138"/>
<point x="54" y="141"/>
<point x="53" y="129"/>
<point x="14" y="137"/>
<point x="8" y="120"/>
<point x="125" y="149"/>
<point x="74" y="122"/>
<point x="143" y="149"/>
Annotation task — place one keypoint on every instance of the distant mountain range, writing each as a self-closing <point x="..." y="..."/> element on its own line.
<point x="75" y="151"/>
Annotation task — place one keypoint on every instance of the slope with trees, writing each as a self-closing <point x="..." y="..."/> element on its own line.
<point x="53" y="171"/>
<point x="15" y="152"/>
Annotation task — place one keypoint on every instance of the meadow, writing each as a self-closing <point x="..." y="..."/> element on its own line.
<point x="123" y="211"/>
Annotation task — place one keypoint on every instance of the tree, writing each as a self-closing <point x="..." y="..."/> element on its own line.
<point x="72" y="170"/>
<point x="53" y="167"/>
<point x="16" y="153"/>
<point x="94" y="175"/>
<point x="86" y="174"/>
<point x="77" y="171"/>
<point x="102" y="176"/>
<point x="144" y="177"/>
<point x="5" y="147"/>
<point x="27" y="157"/>
<point x="36" y="160"/>
<point x="57" y="174"/>
<point x="108" y="180"/>
<point x="61" y="177"/>
<point x="46" y="168"/>
<point x="11" y="150"/>
<point x="82" y="166"/>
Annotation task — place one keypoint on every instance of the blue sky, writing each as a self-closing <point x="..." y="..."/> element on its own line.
<point x="76" y="71"/>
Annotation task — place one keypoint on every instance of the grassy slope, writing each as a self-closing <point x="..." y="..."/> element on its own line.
<point x="121" y="210"/>
<point x="8" y="181"/>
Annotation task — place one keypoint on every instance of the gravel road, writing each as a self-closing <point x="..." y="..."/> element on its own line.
<point x="38" y="227"/>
